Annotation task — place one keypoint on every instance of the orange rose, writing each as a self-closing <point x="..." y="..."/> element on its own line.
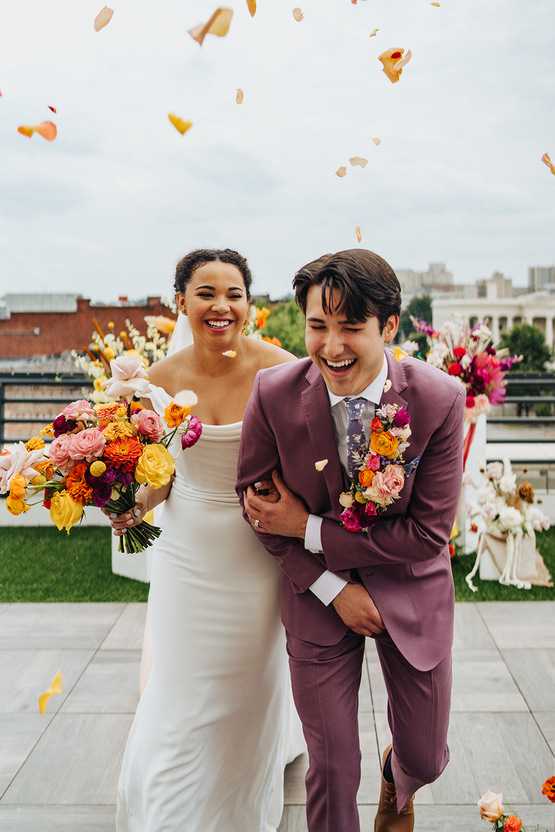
<point x="375" y="424"/>
<point x="384" y="444"/>
<point x="365" y="477"/>
<point x="175" y="415"/>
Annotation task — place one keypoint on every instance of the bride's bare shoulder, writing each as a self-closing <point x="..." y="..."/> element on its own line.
<point x="166" y="373"/>
<point x="267" y="354"/>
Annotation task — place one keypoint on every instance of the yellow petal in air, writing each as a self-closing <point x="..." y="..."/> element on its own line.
<point x="399" y="354"/>
<point x="547" y="161"/>
<point x="240" y="96"/>
<point x="298" y="15"/>
<point x="47" y="129"/>
<point x="55" y="687"/>
<point x="358" y="160"/>
<point x="359" y="235"/>
<point x="180" y="125"/>
<point x="252" y="7"/>
<point x="374" y="33"/>
<point x="230" y="353"/>
<point x="103" y="18"/>
<point x="341" y="172"/>
<point x="393" y="61"/>
<point x="435" y="4"/>
<point x="217" y="25"/>
<point x="321" y="464"/>
<point x="377" y="142"/>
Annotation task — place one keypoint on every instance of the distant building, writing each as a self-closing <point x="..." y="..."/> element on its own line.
<point x="541" y="277"/>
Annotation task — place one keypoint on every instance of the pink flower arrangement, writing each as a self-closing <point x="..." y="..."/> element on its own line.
<point x="382" y="470"/>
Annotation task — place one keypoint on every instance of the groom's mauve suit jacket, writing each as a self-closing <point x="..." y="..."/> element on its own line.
<point x="403" y="560"/>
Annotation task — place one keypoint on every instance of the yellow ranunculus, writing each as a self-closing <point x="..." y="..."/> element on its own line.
<point x="16" y="505"/>
<point x="155" y="467"/>
<point x="18" y="484"/>
<point x="384" y="443"/>
<point x="64" y="511"/>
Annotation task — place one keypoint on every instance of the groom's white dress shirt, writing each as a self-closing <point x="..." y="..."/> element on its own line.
<point x="329" y="584"/>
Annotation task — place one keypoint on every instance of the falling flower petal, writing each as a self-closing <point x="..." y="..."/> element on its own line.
<point x="435" y="4"/>
<point x="547" y="161"/>
<point x="399" y="354"/>
<point x="217" y="25"/>
<point x="240" y="96"/>
<point x="373" y="34"/>
<point x="186" y="398"/>
<point x="402" y="62"/>
<point x="252" y="7"/>
<point x="55" y="687"/>
<point x="103" y="18"/>
<point x="179" y="124"/>
<point x="358" y="160"/>
<point x="321" y="464"/>
<point x="391" y="59"/>
<point x="357" y="232"/>
<point x="230" y="353"/>
<point x="54" y="110"/>
<point x="46" y="129"/>
<point x="387" y="385"/>
<point x="341" y="172"/>
<point x="377" y="141"/>
<point x="298" y="15"/>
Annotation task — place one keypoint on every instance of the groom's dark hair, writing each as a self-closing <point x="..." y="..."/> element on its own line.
<point x="365" y="282"/>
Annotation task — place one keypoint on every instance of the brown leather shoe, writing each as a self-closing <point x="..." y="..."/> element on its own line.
<point x="387" y="818"/>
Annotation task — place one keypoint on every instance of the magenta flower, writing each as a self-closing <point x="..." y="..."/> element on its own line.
<point x="192" y="434"/>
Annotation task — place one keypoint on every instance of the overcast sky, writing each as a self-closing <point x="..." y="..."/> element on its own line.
<point x="109" y="206"/>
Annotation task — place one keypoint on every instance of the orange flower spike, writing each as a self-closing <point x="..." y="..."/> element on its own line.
<point x="547" y="161"/>
<point x="97" y="327"/>
<point x="548" y="789"/>
<point x="393" y="61"/>
<point x="252" y="7"/>
<point x="125" y="338"/>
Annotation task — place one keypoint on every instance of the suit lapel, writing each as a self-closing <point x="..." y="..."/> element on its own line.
<point x="398" y="382"/>
<point x="316" y="410"/>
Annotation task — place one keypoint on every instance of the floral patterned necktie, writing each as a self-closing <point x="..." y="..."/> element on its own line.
<point x="355" y="435"/>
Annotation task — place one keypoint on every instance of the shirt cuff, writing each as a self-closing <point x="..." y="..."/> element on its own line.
<point x="312" y="535"/>
<point x="327" y="587"/>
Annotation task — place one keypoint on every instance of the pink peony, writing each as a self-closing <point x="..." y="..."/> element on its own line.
<point x="88" y="444"/>
<point x="60" y="452"/>
<point x="149" y="424"/>
<point x="79" y="411"/>
<point x="373" y="462"/>
<point x="386" y="485"/>
<point x="192" y="434"/>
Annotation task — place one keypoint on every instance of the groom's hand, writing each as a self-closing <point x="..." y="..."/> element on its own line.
<point x="287" y="517"/>
<point x="357" y="610"/>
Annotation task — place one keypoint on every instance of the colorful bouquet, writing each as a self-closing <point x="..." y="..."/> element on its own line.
<point x="100" y="454"/>
<point x="492" y="809"/>
<point x="382" y="469"/>
<point x="468" y="355"/>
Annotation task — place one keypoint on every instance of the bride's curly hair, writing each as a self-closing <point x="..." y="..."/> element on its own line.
<point x="186" y="267"/>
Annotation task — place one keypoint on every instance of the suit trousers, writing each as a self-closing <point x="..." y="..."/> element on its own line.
<point x="326" y="681"/>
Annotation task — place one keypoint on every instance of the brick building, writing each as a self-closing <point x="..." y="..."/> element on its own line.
<point x="49" y="325"/>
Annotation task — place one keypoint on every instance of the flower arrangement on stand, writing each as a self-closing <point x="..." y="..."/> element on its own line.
<point x="492" y="809"/>
<point x="100" y="454"/>
<point x="504" y="510"/>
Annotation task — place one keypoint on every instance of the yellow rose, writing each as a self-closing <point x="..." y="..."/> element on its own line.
<point x="16" y="505"/>
<point x="155" y="467"/>
<point x="384" y="443"/>
<point x="18" y="484"/>
<point x="64" y="511"/>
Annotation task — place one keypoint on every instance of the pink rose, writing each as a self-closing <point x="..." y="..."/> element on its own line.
<point x="401" y="418"/>
<point x="373" y="462"/>
<point x="386" y="485"/>
<point x="192" y="434"/>
<point x="59" y="452"/>
<point x="88" y="444"/>
<point x="149" y="424"/>
<point x="350" y="520"/>
<point x="79" y="411"/>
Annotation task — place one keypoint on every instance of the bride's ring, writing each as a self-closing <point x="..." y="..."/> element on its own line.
<point x="256" y="523"/>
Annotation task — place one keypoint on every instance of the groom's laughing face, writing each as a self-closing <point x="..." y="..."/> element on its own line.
<point x="349" y="354"/>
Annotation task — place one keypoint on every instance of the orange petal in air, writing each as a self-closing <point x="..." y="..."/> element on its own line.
<point x="357" y="232"/>
<point x="547" y="161"/>
<point x="374" y="33"/>
<point x="46" y="129"/>
<point x="240" y="96"/>
<point x="217" y="25"/>
<point x="393" y="61"/>
<point x="103" y="18"/>
<point x="298" y="15"/>
<point x="252" y="7"/>
<point x="55" y="687"/>
<point x="358" y="160"/>
<point x="180" y="125"/>
<point x="377" y="141"/>
<point x="341" y="172"/>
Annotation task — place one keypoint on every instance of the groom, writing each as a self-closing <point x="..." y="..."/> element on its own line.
<point x="392" y="581"/>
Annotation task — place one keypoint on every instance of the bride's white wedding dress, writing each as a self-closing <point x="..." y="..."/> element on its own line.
<point x="208" y="745"/>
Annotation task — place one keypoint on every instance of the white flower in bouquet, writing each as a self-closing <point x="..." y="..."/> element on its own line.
<point x="495" y="470"/>
<point x="507" y="483"/>
<point x="486" y="493"/>
<point x="129" y="378"/>
<point x="510" y="518"/>
<point x="540" y="521"/>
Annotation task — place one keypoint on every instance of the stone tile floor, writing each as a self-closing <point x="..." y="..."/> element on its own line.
<point x="58" y="772"/>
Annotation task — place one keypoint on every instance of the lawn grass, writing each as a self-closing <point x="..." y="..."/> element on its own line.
<point x="42" y="564"/>
<point x="39" y="563"/>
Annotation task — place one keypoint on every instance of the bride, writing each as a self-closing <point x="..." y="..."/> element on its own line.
<point x="208" y="744"/>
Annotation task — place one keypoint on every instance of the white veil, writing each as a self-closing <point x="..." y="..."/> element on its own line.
<point x="182" y="336"/>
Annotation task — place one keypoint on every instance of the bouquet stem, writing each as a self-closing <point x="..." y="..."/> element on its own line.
<point x="138" y="538"/>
